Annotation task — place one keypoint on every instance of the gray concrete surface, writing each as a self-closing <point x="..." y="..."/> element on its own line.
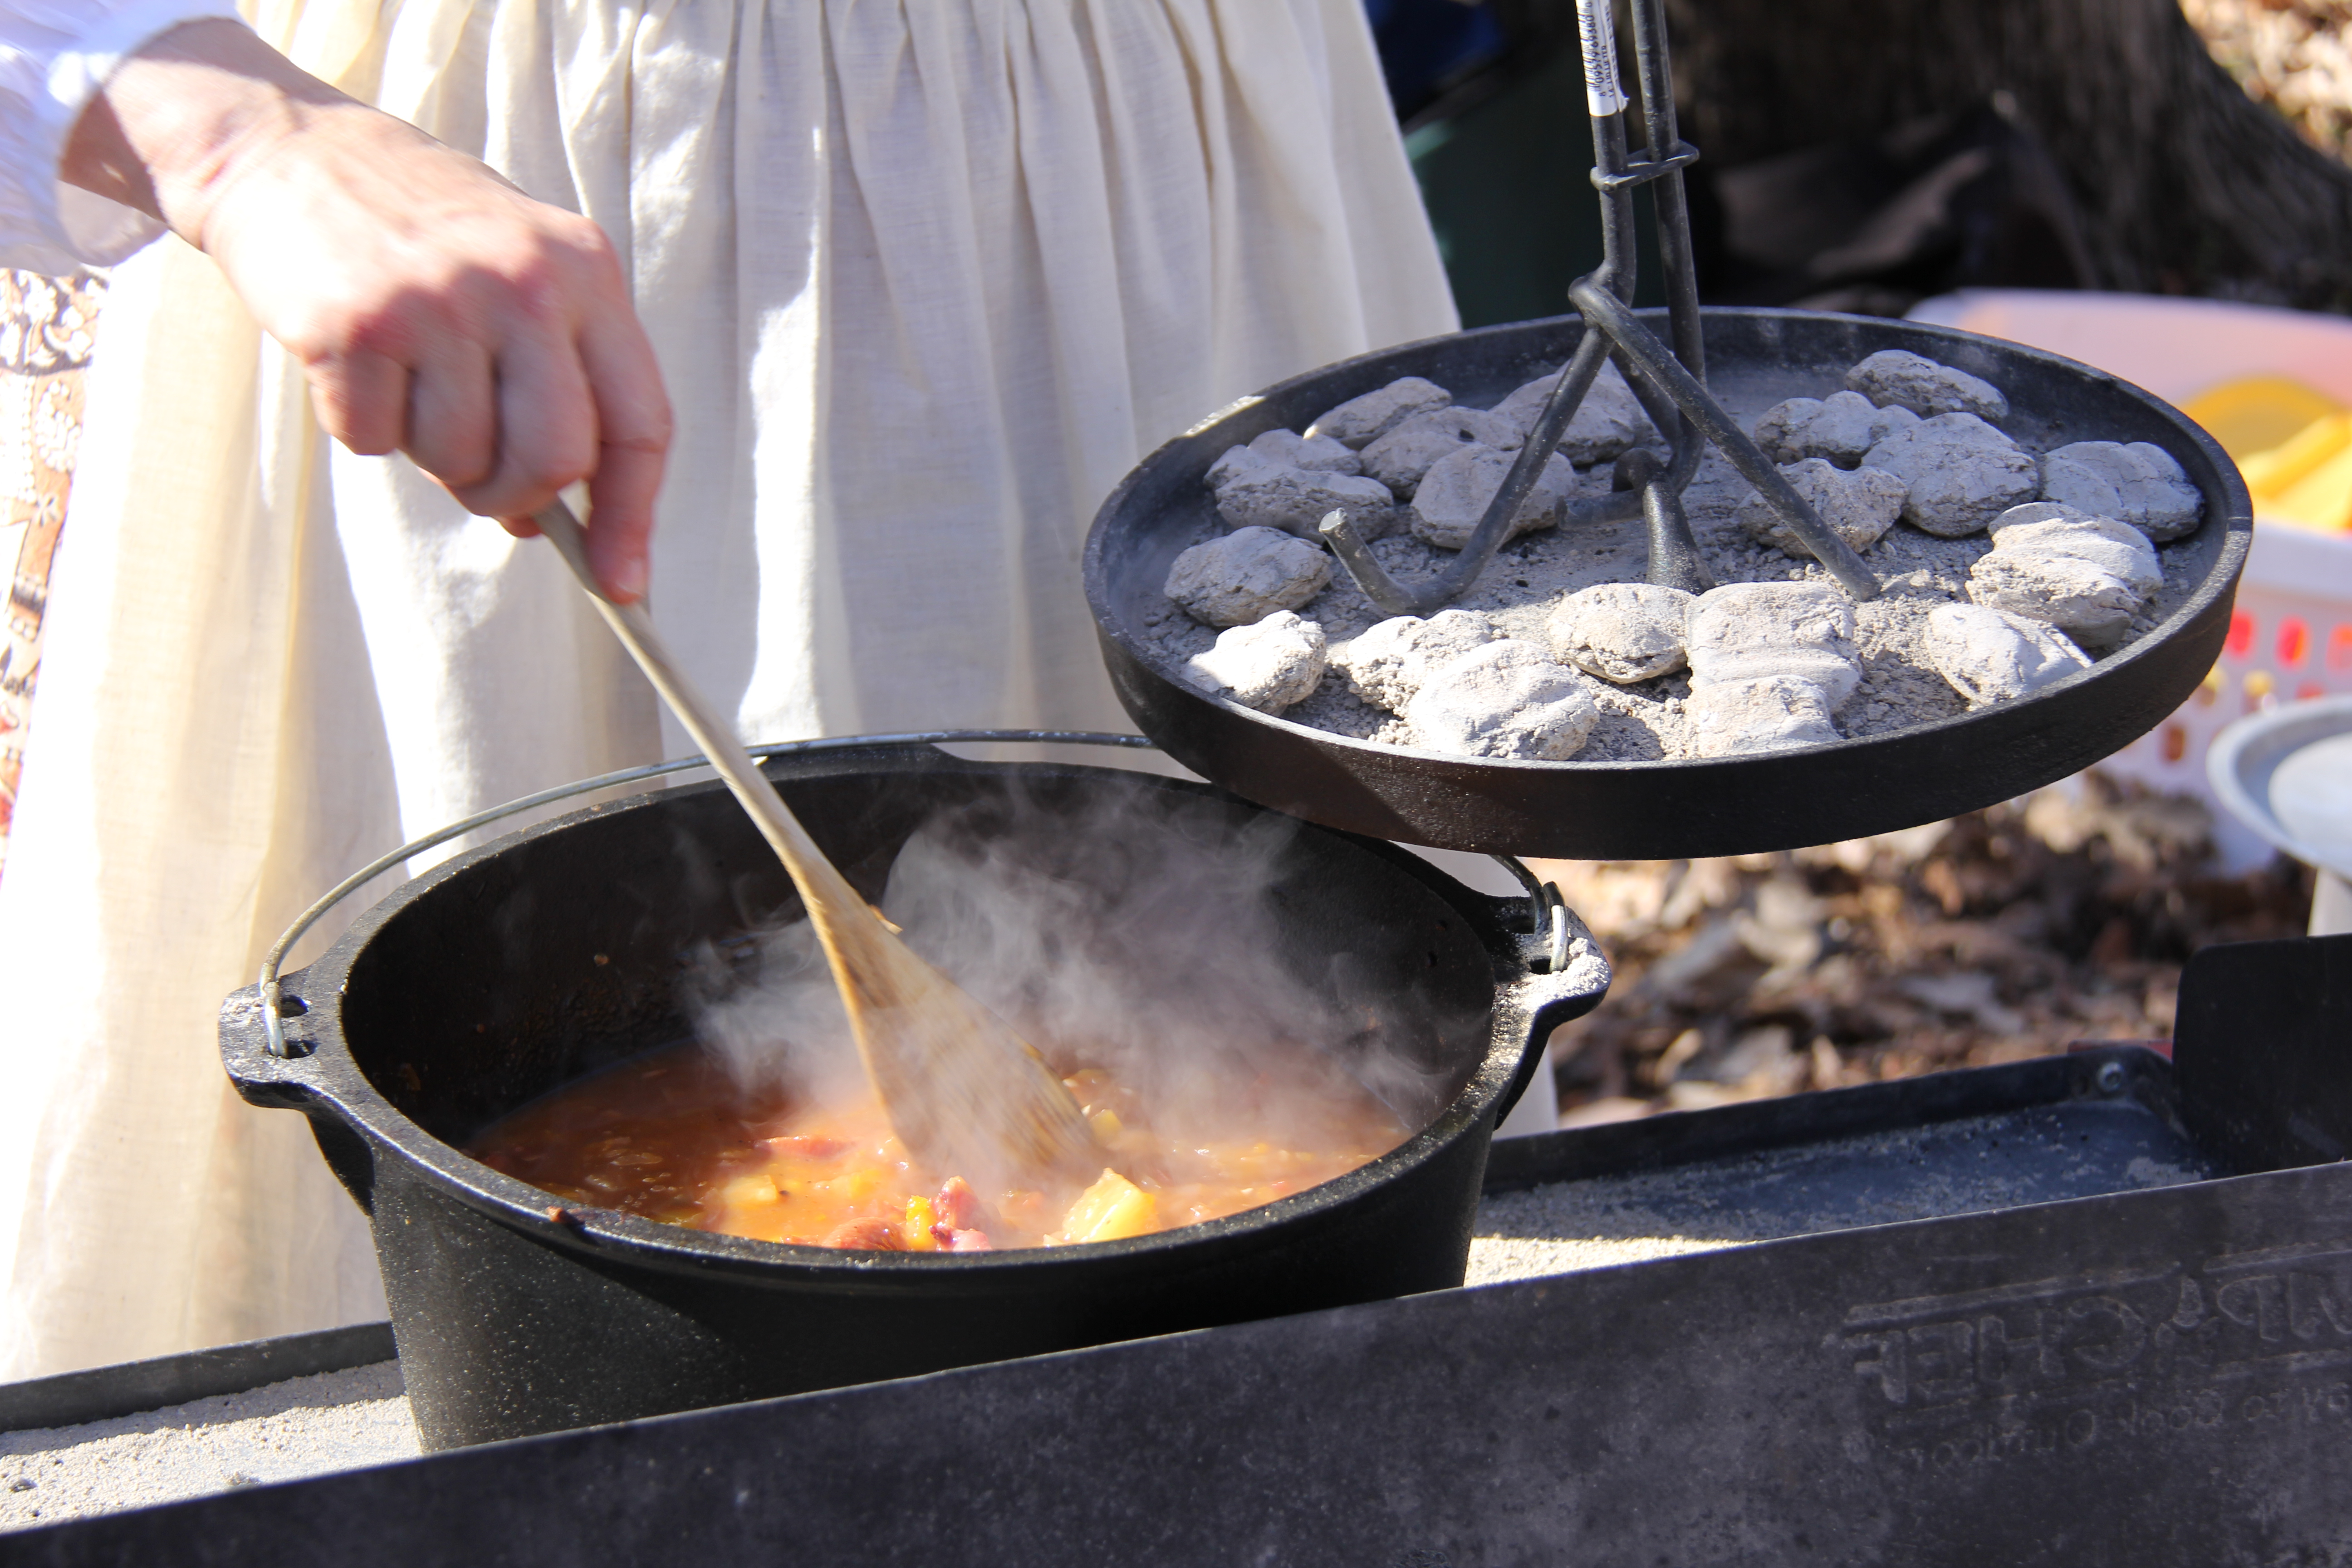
<point x="280" y="1432"/>
<point x="1966" y="1166"/>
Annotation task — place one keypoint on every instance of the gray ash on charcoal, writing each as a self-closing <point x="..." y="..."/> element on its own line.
<point x="1900" y="685"/>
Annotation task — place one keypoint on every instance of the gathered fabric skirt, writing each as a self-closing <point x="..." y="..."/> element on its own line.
<point x="926" y="277"/>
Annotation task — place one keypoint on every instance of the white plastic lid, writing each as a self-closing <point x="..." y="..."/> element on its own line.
<point x="2286" y="773"/>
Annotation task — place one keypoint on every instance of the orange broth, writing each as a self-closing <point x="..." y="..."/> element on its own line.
<point x="673" y="1137"/>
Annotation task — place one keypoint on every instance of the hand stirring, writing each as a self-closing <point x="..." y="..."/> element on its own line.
<point x="955" y="1080"/>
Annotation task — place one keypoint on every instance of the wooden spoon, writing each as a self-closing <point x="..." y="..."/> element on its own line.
<point x="957" y="1084"/>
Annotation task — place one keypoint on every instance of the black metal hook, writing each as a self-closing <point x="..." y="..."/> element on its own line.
<point x="1670" y="385"/>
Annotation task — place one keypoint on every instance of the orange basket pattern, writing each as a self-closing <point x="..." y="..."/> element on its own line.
<point x="2283" y="646"/>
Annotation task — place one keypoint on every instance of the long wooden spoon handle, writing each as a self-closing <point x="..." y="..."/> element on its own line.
<point x="823" y="889"/>
<point x="948" y="1073"/>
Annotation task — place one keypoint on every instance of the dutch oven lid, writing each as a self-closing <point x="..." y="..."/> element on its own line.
<point x="1670" y="809"/>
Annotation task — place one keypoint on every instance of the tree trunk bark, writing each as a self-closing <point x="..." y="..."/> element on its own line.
<point x="2185" y="186"/>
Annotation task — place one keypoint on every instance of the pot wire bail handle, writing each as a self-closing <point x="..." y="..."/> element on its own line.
<point x="1548" y="914"/>
<point x="273" y="1012"/>
<point x="1546" y="911"/>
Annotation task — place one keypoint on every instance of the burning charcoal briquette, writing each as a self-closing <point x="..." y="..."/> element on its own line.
<point x="1962" y="473"/>
<point x="1268" y="667"/>
<point x="2087" y="575"/>
<point x="1621" y="632"/>
<point x="1401" y="457"/>
<point x="1503" y="699"/>
<point x="1759" y="631"/>
<point x="1915" y="382"/>
<point x="2139" y="484"/>
<point x="1838" y="428"/>
<point x="1233" y="463"/>
<point x="1385" y="665"/>
<point x="1319" y="453"/>
<point x="1283" y="449"/>
<point x="1605" y="424"/>
<point x="1452" y="496"/>
<point x="1991" y="655"/>
<point x="1769" y="713"/>
<point x="1296" y="499"/>
<point x="1360" y="421"/>
<point x="1858" y="507"/>
<point x="1247" y="575"/>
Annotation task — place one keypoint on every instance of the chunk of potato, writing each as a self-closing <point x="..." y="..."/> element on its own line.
<point x="749" y="1191"/>
<point x="1113" y="1208"/>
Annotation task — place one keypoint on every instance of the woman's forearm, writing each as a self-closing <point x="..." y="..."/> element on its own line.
<point x="436" y="310"/>
<point x="177" y="119"/>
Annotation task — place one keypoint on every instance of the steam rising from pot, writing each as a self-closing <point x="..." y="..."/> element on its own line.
<point x="1121" y="935"/>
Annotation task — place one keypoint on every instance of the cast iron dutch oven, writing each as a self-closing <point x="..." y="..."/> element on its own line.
<point x="555" y="952"/>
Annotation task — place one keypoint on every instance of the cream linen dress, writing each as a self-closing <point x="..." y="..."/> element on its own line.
<point x="926" y="277"/>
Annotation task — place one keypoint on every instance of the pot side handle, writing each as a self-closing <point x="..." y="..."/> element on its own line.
<point x="1564" y="975"/>
<point x="294" y="1081"/>
<point x="289" y="1082"/>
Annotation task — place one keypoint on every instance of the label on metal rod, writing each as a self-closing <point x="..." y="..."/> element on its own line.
<point x="1599" y="28"/>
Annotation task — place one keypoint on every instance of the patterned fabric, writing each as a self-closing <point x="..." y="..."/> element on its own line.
<point x="46" y="328"/>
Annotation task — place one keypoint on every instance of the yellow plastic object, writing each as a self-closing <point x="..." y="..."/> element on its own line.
<point x="2278" y="468"/>
<point x="2309" y="480"/>
<point x="2293" y="444"/>
<point x="2256" y="413"/>
<point x="1113" y="1208"/>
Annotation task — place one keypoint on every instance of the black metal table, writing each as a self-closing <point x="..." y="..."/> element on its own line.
<point x="2137" y="1376"/>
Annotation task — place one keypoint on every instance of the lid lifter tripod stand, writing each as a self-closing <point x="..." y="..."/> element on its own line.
<point x="1671" y="386"/>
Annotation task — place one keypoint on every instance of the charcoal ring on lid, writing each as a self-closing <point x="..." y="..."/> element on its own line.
<point x="1642" y="810"/>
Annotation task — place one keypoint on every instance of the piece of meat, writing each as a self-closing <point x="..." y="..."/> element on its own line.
<point x="866" y="1236"/>
<point x="958" y="1205"/>
<point x="953" y="1240"/>
<point x="811" y="1147"/>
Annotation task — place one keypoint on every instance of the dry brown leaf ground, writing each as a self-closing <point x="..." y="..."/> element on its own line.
<point x="2293" y="54"/>
<point x="2003" y="934"/>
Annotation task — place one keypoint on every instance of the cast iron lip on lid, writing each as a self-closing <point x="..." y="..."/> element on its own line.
<point x="2237" y="517"/>
<point x="1249" y="752"/>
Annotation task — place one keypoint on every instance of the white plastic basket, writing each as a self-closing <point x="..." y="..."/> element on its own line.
<point x="2291" y="637"/>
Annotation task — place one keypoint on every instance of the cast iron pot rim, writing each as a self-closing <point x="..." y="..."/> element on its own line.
<point x="331" y="1075"/>
<point x="2235" y="515"/>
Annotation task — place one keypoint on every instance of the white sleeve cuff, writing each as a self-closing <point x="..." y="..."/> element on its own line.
<point x="55" y="55"/>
